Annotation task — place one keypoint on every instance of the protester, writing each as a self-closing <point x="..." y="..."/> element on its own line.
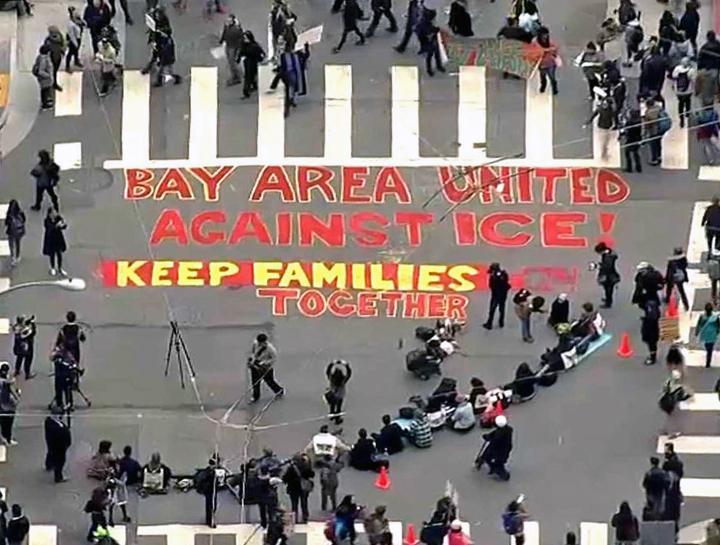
<point x="129" y="468"/>
<point x="497" y="448"/>
<point x="338" y="374"/>
<point x="655" y="484"/>
<point x="252" y="54"/>
<point x="24" y="333"/>
<point x="291" y="71"/>
<point x="683" y="76"/>
<point x="55" y="42"/>
<point x="18" y="527"/>
<point x="346" y="514"/>
<point x="328" y="470"/>
<point x="47" y="176"/>
<point x="57" y="440"/>
<point x="650" y="330"/>
<point x="420" y="433"/>
<point x="364" y="455"/>
<point x="351" y="15"/>
<point x="298" y="479"/>
<point x="155" y="476"/>
<point x="648" y="283"/>
<point x="102" y="461"/>
<point x="690" y="24"/>
<point x="54" y="245"/>
<point x="674" y="359"/>
<point x="207" y="485"/>
<point x="381" y="8"/>
<point x="107" y="57"/>
<point x="117" y="496"/>
<point x="676" y="276"/>
<point x="459" y="20"/>
<point x="633" y="37"/>
<point x="672" y="462"/>
<point x="463" y="419"/>
<point x="524" y="309"/>
<point x="548" y="62"/>
<point x="707" y="330"/>
<point x="14" y="229"/>
<point x="653" y="132"/>
<point x="97" y="16"/>
<point x="605" y="113"/>
<point x="513" y="520"/>
<point x="590" y="61"/>
<point x="632" y="133"/>
<point x="499" y="283"/>
<point x="377" y="527"/>
<point x="262" y="367"/>
<point x="428" y="33"/>
<point x="163" y="60"/>
<point x="43" y="71"/>
<point x="673" y="392"/>
<point x="95" y="507"/>
<point x="74" y="32"/>
<point x="390" y="438"/>
<point x="708" y="133"/>
<point x="232" y="36"/>
<point x="627" y="529"/>
<point x="9" y="398"/>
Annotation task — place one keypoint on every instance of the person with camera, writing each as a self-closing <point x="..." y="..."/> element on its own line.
<point x="261" y="364"/>
<point x="58" y="440"/>
<point x="24" y="332"/>
<point x="9" y="398"/>
<point x="208" y="482"/>
<point x="54" y="245"/>
<point x="64" y="368"/>
<point x="71" y="335"/>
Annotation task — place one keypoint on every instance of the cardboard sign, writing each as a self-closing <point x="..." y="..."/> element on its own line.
<point x="310" y="36"/>
<point x="669" y="329"/>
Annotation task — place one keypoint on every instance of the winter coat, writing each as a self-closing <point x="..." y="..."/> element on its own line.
<point x="709" y="56"/>
<point x="45" y="175"/>
<point x="677" y="269"/>
<point x="56" y="42"/>
<point x="15" y="224"/>
<point x="97" y="18"/>
<point x="499" y="283"/>
<point x="707" y="328"/>
<point x="650" y="328"/>
<point x="607" y="273"/>
<point x="690" y="23"/>
<point x="499" y="444"/>
<point x="460" y="22"/>
<point x="53" y="238"/>
<point x="43" y="71"/>
<point x="351" y="14"/>
<point x="626" y="527"/>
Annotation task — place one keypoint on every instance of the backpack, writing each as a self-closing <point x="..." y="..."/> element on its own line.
<point x="664" y="123"/>
<point x="682" y="82"/>
<point x="511" y="523"/>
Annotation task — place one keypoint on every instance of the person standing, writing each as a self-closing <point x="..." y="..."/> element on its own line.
<point x="262" y="367"/>
<point x="24" y="332"/>
<point x="412" y="17"/>
<point x="707" y="132"/>
<point x="606" y="114"/>
<point x="351" y="15"/>
<point x="232" y="37"/>
<point x="683" y="76"/>
<point x="380" y="8"/>
<point x="15" y="230"/>
<point x="499" y="283"/>
<point x="650" y="330"/>
<point x="55" y="42"/>
<point x="377" y="527"/>
<point x="648" y="284"/>
<point x="9" y="397"/>
<point x="499" y="444"/>
<point x="74" y="31"/>
<point x="672" y="462"/>
<point x="97" y="16"/>
<point x="655" y="484"/>
<point x="208" y="487"/>
<point x="653" y="132"/>
<point x="459" y="20"/>
<point x="107" y="57"/>
<point x="707" y="330"/>
<point x="548" y="61"/>
<point x="627" y="529"/>
<point x="676" y="276"/>
<point x="71" y="335"/>
<point x="18" y="526"/>
<point x="591" y="62"/>
<point x="690" y="24"/>
<point x="58" y="440"/>
<point x="47" y="176"/>
<point x="607" y="273"/>
<point x="631" y="132"/>
<point x="328" y="469"/>
<point x="43" y="71"/>
<point x="95" y="507"/>
<point x="54" y="241"/>
<point x="298" y="479"/>
<point x="428" y="33"/>
<point x="709" y="55"/>
<point x="513" y="520"/>
<point x="711" y="222"/>
<point x="291" y="71"/>
<point x="338" y="374"/>
<point x="252" y="54"/>
<point x="524" y="310"/>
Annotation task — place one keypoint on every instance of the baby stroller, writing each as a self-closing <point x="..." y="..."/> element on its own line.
<point x="424" y="362"/>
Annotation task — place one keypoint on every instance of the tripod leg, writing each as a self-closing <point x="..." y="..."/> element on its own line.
<point x="171" y="342"/>
<point x="187" y="355"/>
<point x="86" y="399"/>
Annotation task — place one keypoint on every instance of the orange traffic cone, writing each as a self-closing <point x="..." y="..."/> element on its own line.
<point x="625" y="349"/>
<point x="672" y="308"/>
<point x="383" y="481"/>
<point x="410" y="537"/>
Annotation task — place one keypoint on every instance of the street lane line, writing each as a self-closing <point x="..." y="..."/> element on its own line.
<point x="675" y="149"/>
<point x="696" y="358"/>
<point x="709" y="173"/>
<point x="68" y="155"/>
<point x="4" y="284"/>
<point x="3" y="455"/>
<point x="701" y="402"/>
<point x="472" y="113"/>
<point x="691" y="444"/>
<point x="538" y="123"/>
<point x="532" y="533"/>
<point x="203" y="113"/>
<point x="135" y="117"/>
<point x="593" y="533"/>
<point x="42" y="534"/>
<point x="4" y="326"/>
<point x="612" y="158"/>
<point x="69" y="102"/>
<point x="697" y="243"/>
<point x="4" y="248"/>
<point x="700" y="488"/>
<point x="338" y="112"/>
<point x="271" y="119"/>
<point x="118" y="533"/>
<point x="405" y="136"/>
<point x="3" y="211"/>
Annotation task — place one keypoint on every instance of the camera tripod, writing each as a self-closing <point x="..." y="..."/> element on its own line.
<point x="177" y="343"/>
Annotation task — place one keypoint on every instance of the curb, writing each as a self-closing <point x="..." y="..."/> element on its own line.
<point x="5" y="95"/>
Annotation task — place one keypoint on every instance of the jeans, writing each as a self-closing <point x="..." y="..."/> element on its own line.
<point x="681" y="290"/>
<point x="301" y="501"/>
<point x="6" y="424"/>
<point x="709" y="348"/>
<point x="73" y="54"/>
<point x="656" y="149"/>
<point x="684" y="107"/>
<point x="608" y="290"/>
<point x="14" y="243"/>
<point x="432" y="51"/>
<point x="377" y="15"/>
<point x="231" y="55"/>
<point x="497" y="303"/>
<point x="24" y="362"/>
<point x="545" y="74"/>
<point x="257" y="376"/>
<point x="51" y="193"/>
<point x="525" y="328"/>
<point x="327" y="493"/>
<point x="632" y="153"/>
<point x="46" y="97"/>
<point x="347" y="31"/>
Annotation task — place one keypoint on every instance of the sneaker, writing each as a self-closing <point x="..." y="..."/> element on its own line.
<point x="13" y="443"/>
<point x="335" y="50"/>
<point x="57" y="88"/>
<point x="62" y="272"/>
<point x="30" y="376"/>
<point x="281" y="393"/>
<point x="487" y="326"/>
<point x="52" y="271"/>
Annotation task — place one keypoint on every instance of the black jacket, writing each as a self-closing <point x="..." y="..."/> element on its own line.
<point x="515" y="33"/>
<point x="607" y="270"/>
<point x="711" y="217"/>
<point x="17" y="529"/>
<point x="655" y="481"/>
<point x="709" y="56"/>
<point x="690" y="23"/>
<point x="674" y="463"/>
<point x="351" y="14"/>
<point x="677" y="269"/>
<point x="390" y="439"/>
<point x="499" y="283"/>
<point x="294" y="476"/>
<point x="57" y="435"/>
<point x="500" y="444"/>
<point x="460" y="22"/>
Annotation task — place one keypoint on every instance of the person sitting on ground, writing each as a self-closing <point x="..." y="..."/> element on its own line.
<point x="390" y="437"/>
<point x="364" y="455"/>
<point x="559" y="311"/>
<point x="463" y="419"/>
<point x="585" y="325"/>
<point x="524" y="385"/>
<point x="102" y="461"/>
<point x="155" y="476"/>
<point x="478" y="395"/>
<point x="444" y="394"/>
<point x="420" y="431"/>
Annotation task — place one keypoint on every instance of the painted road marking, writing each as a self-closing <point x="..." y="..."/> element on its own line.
<point x="697" y="243"/>
<point x="472" y="113"/>
<point x="69" y="102"/>
<point x="538" y="122"/>
<point x="593" y="533"/>
<point x="691" y="444"/>
<point x="68" y="155"/>
<point x="4" y="248"/>
<point x="338" y="111"/>
<point x="532" y="533"/>
<point x="4" y="326"/>
<point x="709" y="173"/>
<point x="118" y="533"/>
<point x="4" y="284"/>
<point x="700" y="488"/>
<point x="135" y="117"/>
<point x="675" y="142"/>
<point x="271" y="120"/>
<point x="405" y="112"/>
<point x="203" y="113"/>
<point x="701" y="402"/>
<point x="3" y="211"/>
<point x="42" y="534"/>
<point x="696" y="358"/>
<point x="3" y="455"/>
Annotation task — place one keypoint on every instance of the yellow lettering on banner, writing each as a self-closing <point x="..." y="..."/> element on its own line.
<point x="377" y="282"/>
<point x="265" y="271"/>
<point x="220" y="270"/>
<point x="161" y="273"/>
<point x="333" y="276"/>
<point x="358" y="276"/>
<point x="405" y="276"/>
<point x="294" y="276"/>
<point x="429" y="277"/>
<point x="127" y="273"/>
<point x="457" y="275"/>
<point x="188" y="273"/>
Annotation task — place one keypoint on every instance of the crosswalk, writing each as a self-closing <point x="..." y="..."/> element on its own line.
<point x="404" y="103"/>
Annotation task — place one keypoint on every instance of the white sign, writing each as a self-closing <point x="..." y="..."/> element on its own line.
<point x="310" y="36"/>
<point x="150" y="22"/>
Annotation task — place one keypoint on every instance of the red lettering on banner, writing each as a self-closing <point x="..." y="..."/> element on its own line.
<point x="389" y="182"/>
<point x="558" y="229"/>
<point x="309" y="178"/>
<point x="338" y="304"/>
<point x="465" y="224"/>
<point x="197" y="227"/>
<point x="137" y="183"/>
<point x="169" y="226"/>
<point x="283" y="225"/>
<point x="354" y="178"/>
<point x="611" y="188"/>
<point x="524" y="182"/>
<point x="457" y="306"/>
<point x="579" y="190"/>
<point x="415" y="305"/>
<point x="448" y="182"/>
<point x="272" y="179"/>
<point x="367" y="304"/>
<point x="413" y="221"/>
<point x="173" y="182"/>
<point x="437" y="305"/>
<point x="550" y="177"/>
<point x="279" y="298"/>
<point x="366" y="236"/>
<point x="250" y="225"/>
<point x="211" y="182"/>
<point x="311" y="303"/>
<point x="490" y="234"/>
<point x="330" y="233"/>
<point x="391" y="299"/>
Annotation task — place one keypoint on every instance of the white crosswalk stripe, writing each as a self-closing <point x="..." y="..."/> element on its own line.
<point x="405" y="101"/>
